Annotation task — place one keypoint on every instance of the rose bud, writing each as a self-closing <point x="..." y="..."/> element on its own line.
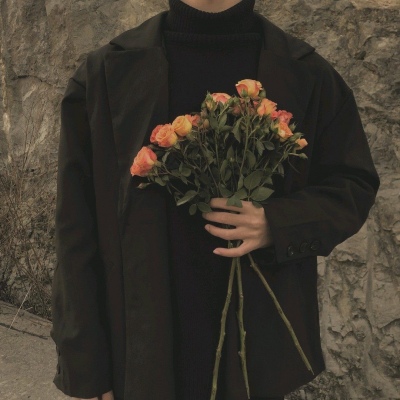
<point x="249" y="87"/>
<point x="182" y="125"/>
<point x="283" y="131"/>
<point x="143" y="162"/>
<point x="166" y="136"/>
<point x="206" y="123"/>
<point x="301" y="143"/>
<point x="266" y="107"/>
<point x="194" y="119"/>
<point x="222" y="97"/>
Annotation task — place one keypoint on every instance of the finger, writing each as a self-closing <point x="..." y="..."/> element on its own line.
<point x="244" y="248"/>
<point x="225" y="218"/>
<point x="220" y="202"/>
<point x="108" y="396"/>
<point x="227" y="234"/>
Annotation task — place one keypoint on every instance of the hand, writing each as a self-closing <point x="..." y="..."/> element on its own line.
<point x="106" y="396"/>
<point x="250" y="222"/>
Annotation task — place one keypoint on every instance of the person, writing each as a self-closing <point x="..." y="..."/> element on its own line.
<point x="138" y="290"/>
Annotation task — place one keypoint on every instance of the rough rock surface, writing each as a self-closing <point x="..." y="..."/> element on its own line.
<point x="43" y="41"/>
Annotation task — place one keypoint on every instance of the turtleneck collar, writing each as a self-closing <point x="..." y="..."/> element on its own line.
<point x="236" y="19"/>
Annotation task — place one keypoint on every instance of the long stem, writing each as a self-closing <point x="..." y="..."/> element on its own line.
<point x="222" y="331"/>
<point x="239" y="314"/>
<point x="281" y="313"/>
<point x="208" y="165"/>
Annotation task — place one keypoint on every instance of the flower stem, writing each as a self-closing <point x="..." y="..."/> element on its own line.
<point x="281" y="313"/>
<point x="222" y="331"/>
<point x="239" y="314"/>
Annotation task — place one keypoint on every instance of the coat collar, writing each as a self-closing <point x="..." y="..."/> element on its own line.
<point x="149" y="34"/>
<point x="137" y="83"/>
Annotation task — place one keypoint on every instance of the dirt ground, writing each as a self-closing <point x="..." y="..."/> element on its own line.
<point x="28" y="357"/>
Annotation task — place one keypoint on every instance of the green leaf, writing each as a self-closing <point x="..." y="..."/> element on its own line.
<point x="223" y="167"/>
<point x="303" y="156"/>
<point x="186" y="171"/>
<point x="213" y="123"/>
<point x="236" y="129"/>
<point x="260" y="147"/>
<point x="230" y="153"/>
<point x="175" y="173"/>
<point x="188" y="196"/>
<point x="225" y="192"/>
<point x="192" y="209"/>
<point x="234" y="201"/>
<point x="228" y="175"/>
<point x="164" y="157"/>
<point x="257" y="205"/>
<point x="251" y="159"/>
<point x="222" y="121"/>
<point x="204" y="207"/>
<point x="241" y="193"/>
<point x="269" y="145"/>
<point x="227" y="129"/>
<point x="253" y="180"/>
<point x="165" y="178"/>
<point x="281" y="170"/>
<point x="261" y="193"/>
<point x="240" y="182"/>
<point x="205" y="179"/>
<point x="184" y="180"/>
<point x="143" y="185"/>
<point x="159" y="181"/>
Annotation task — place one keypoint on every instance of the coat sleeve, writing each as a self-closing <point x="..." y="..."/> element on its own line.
<point x="79" y="328"/>
<point x="340" y="190"/>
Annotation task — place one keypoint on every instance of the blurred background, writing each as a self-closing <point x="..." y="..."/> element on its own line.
<point x="42" y="42"/>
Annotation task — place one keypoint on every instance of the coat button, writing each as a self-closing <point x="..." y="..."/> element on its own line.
<point x="290" y="250"/>
<point x="304" y="247"/>
<point x="315" y="245"/>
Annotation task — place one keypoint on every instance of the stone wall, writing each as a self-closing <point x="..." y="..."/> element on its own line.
<point x="42" y="43"/>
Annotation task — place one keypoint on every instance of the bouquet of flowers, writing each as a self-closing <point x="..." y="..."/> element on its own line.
<point x="232" y="149"/>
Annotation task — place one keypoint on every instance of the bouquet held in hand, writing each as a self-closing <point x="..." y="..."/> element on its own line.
<point x="231" y="149"/>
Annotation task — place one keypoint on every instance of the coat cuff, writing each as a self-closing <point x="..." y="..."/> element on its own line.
<point x="91" y="379"/>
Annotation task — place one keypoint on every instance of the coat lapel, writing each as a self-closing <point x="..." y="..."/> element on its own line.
<point x="137" y="85"/>
<point x="285" y="79"/>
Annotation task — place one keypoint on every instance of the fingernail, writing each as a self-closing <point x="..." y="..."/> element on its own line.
<point x="216" y="252"/>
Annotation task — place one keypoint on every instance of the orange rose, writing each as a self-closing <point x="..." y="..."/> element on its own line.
<point x="154" y="133"/>
<point x="302" y="143"/>
<point x="222" y="97"/>
<point x="143" y="162"/>
<point x="283" y="131"/>
<point x="266" y="107"/>
<point x="249" y="86"/>
<point x="182" y="125"/>
<point x="282" y="115"/>
<point x="166" y="136"/>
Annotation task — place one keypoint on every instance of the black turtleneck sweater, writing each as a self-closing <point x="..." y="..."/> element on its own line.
<point x="206" y="52"/>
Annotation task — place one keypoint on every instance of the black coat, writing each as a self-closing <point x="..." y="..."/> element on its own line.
<point x="111" y="303"/>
